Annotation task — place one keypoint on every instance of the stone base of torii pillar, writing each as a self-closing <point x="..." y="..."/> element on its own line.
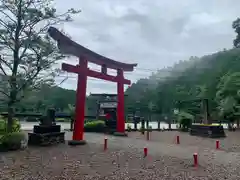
<point x="76" y="142"/>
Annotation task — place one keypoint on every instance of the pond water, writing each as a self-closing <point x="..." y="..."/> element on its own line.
<point x="64" y="125"/>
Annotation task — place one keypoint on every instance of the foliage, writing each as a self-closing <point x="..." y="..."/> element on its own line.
<point x="95" y="126"/>
<point x="236" y="27"/>
<point x="27" y="53"/>
<point x="13" y="141"/>
<point x="129" y="128"/>
<point x="199" y="80"/>
<point x="71" y="110"/>
<point x="185" y="120"/>
<point x="3" y="126"/>
<point x="228" y="96"/>
<point x="63" y="100"/>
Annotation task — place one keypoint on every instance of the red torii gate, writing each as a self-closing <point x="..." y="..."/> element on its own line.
<point x="67" y="46"/>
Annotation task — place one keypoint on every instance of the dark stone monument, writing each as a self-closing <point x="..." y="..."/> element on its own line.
<point x="47" y="132"/>
<point x="211" y="131"/>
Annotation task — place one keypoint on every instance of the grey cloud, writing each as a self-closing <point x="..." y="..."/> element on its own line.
<point x="153" y="33"/>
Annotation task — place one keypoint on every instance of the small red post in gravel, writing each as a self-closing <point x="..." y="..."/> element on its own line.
<point x="178" y="140"/>
<point x="217" y="144"/>
<point x="145" y="152"/>
<point x="105" y="144"/>
<point x="195" y="159"/>
<point x="148" y="135"/>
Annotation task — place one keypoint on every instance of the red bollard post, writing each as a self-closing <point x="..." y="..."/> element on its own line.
<point x="145" y="152"/>
<point x="195" y="159"/>
<point x="217" y="144"/>
<point x="105" y="144"/>
<point x="178" y="140"/>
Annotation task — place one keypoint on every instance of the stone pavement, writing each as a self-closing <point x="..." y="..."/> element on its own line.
<point x="206" y="156"/>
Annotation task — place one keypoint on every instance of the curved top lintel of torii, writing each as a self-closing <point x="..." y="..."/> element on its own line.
<point x="69" y="47"/>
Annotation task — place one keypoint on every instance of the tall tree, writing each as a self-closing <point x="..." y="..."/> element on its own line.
<point x="236" y="27"/>
<point x="228" y="96"/>
<point x="27" y="53"/>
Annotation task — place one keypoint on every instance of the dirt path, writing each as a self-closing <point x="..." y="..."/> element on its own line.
<point x="230" y="144"/>
<point x="122" y="160"/>
<point x="206" y="156"/>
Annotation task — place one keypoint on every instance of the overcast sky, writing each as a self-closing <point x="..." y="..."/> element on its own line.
<point x="153" y="33"/>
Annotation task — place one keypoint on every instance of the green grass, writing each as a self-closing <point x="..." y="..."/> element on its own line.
<point x="62" y="120"/>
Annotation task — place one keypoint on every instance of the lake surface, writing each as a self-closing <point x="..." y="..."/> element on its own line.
<point x="64" y="125"/>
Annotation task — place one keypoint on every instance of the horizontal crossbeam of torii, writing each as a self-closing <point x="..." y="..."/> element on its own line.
<point x="69" y="47"/>
<point x="91" y="73"/>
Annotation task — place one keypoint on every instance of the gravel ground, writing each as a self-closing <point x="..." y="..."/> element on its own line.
<point x="122" y="161"/>
<point x="91" y="162"/>
<point x="229" y="144"/>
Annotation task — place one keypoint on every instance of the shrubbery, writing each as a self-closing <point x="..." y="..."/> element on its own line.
<point x="129" y="128"/>
<point x="185" y="120"/>
<point x="95" y="126"/>
<point x="3" y="126"/>
<point x="12" y="141"/>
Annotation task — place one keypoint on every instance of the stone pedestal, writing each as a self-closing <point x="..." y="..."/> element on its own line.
<point x="44" y="135"/>
<point x="123" y="134"/>
<point x="41" y="129"/>
<point x="211" y="131"/>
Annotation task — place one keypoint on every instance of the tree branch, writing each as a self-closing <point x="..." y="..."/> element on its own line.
<point x="2" y="11"/>
<point x="6" y="42"/>
<point x="4" y="72"/>
<point x="3" y="92"/>
<point x="5" y="63"/>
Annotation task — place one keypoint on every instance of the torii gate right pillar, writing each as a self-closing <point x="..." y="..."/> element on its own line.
<point x="120" y="105"/>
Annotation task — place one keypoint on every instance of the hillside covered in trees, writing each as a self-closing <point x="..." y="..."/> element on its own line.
<point x="215" y="77"/>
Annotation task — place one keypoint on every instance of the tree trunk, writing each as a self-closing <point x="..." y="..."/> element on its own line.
<point x="12" y="100"/>
<point x="158" y="124"/>
<point x="147" y="123"/>
<point x="143" y="125"/>
<point x="10" y="117"/>
<point x="71" y="125"/>
<point x="135" y="125"/>
<point x="169" y="125"/>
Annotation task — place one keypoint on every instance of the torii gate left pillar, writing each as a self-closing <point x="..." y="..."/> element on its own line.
<point x="80" y="101"/>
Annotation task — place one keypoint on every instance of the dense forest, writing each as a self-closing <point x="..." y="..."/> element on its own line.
<point x="214" y="77"/>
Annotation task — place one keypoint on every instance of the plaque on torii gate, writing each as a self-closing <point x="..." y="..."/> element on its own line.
<point x="69" y="47"/>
